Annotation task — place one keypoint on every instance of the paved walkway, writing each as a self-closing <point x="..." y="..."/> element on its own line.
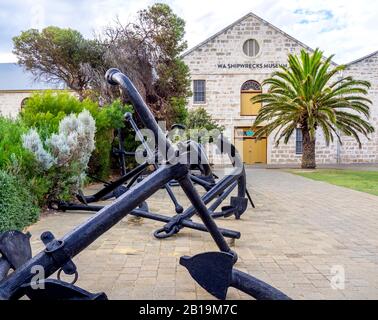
<point x="301" y="234"/>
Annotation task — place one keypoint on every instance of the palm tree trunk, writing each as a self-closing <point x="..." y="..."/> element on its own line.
<point x="308" y="155"/>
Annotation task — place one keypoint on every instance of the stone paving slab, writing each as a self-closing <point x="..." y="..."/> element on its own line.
<point x="301" y="233"/>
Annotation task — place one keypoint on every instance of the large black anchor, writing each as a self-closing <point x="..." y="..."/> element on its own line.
<point x="213" y="271"/>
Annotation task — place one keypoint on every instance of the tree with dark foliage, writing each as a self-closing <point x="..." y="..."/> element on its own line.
<point x="147" y="50"/>
<point x="58" y="55"/>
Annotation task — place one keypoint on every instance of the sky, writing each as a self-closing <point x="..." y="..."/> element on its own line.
<point x="345" y="28"/>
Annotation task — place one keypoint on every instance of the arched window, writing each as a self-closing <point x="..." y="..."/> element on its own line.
<point x="23" y="102"/>
<point x="249" y="89"/>
<point x="251" y="85"/>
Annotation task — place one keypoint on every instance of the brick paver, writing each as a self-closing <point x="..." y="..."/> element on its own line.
<point x="301" y="232"/>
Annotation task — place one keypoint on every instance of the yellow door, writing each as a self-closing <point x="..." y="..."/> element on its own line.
<point x="247" y="107"/>
<point x="253" y="151"/>
<point x="257" y="151"/>
<point x="247" y="151"/>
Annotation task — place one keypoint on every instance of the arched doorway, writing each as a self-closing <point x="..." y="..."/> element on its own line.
<point x="249" y="89"/>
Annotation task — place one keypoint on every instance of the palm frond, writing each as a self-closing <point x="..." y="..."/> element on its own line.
<point x="308" y="94"/>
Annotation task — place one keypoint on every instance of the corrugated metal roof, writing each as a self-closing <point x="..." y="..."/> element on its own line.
<point x="14" y="77"/>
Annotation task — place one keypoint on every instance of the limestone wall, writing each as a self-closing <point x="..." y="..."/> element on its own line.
<point x="10" y="102"/>
<point x="365" y="69"/>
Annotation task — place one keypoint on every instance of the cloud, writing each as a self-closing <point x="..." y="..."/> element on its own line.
<point x="347" y="29"/>
<point x="318" y="14"/>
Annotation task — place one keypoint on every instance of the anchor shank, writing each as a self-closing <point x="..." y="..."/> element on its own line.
<point x="255" y="287"/>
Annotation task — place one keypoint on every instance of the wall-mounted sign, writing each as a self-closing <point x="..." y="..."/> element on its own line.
<point x="251" y="65"/>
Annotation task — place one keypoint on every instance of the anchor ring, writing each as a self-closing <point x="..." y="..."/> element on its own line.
<point x="163" y="234"/>
<point x="76" y="276"/>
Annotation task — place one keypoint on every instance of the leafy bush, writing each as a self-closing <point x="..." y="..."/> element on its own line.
<point x="17" y="206"/>
<point x="180" y="110"/>
<point x="45" y="110"/>
<point x="107" y="118"/>
<point x="201" y="126"/>
<point x="11" y="151"/>
<point x="17" y="161"/>
<point x="64" y="156"/>
<point x="201" y="119"/>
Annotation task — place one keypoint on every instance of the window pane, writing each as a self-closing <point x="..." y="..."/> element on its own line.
<point x="199" y="91"/>
<point x="251" y="85"/>
<point x="298" y="142"/>
<point x="251" y="48"/>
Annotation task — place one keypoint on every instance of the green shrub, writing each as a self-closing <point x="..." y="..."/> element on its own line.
<point x="18" y="161"/>
<point x="201" y="119"/>
<point x="11" y="151"/>
<point x="17" y="206"/>
<point x="180" y="111"/>
<point x="63" y="157"/>
<point x="200" y="125"/>
<point x="108" y="118"/>
<point x="44" y="111"/>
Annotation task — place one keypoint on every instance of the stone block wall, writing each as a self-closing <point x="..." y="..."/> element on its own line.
<point x="10" y="102"/>
<point x="364" y="69"/>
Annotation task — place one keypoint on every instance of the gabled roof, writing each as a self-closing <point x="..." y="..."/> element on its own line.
<point x="250" y="14"/>
<point x="13" y="78"/>
<point x="363" y="58"/>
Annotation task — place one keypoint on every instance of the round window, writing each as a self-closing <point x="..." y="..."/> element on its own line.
<point x="251" y="48"/>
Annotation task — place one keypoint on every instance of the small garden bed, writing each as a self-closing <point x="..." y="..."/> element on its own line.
<point x="46" y="151"/>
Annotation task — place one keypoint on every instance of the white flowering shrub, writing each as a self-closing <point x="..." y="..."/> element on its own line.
<point x="64" y="156"/>
<point x="33" y="143"/>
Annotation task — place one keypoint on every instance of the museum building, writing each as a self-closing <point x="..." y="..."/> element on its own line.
<point x="227" y="71"/>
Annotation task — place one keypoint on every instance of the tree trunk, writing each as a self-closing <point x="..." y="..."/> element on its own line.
<point x="308" y="155"/>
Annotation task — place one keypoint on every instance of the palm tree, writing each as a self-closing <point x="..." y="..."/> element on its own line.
<point x="309" y="94"/>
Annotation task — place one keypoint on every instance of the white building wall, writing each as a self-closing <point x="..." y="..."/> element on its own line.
<point x="10" y="102"/>
<point x="364" y="69"/>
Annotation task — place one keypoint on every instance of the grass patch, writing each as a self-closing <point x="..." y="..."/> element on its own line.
<point x="365" y="181"/>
